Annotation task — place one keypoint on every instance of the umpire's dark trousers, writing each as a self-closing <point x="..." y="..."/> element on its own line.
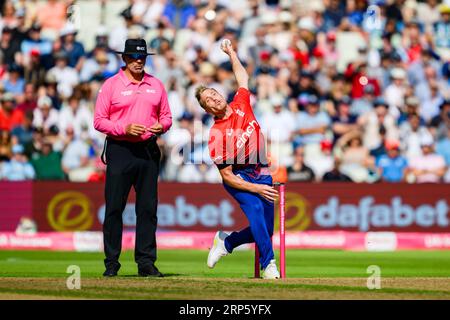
<point x="131" y="164"/>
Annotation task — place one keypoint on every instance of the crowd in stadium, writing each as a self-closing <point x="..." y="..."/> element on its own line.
<point x="350" y="90"/>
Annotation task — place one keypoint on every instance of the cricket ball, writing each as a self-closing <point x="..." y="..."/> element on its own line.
<point x="226" y="43"/>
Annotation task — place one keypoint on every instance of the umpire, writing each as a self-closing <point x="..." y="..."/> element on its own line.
<point x="132" y="109"/>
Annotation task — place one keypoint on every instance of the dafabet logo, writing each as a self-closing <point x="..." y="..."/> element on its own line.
<point x="297" y="213"/>
<point x="70" y="211"/>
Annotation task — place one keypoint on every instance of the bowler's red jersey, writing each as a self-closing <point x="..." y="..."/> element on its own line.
<point x="238" y="140"/>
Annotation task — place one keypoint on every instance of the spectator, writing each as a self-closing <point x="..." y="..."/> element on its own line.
<point x="196" y="164"/>
<point x="9" y="17"/>
<point x="333" y="14"/>
<point x="372" y="121"/>
<point x="355" y="160"/>
<point x="29" y="102"/>
<point x="341" y="87"/>
<point x="21" y="30"/>
<point x="47" y="163"/>
<point x="260" y="48"/>
<point x="364" y="104"/>
<point x="66" y="76"/>
<point x="430" y="107"/>
<point x="443" y="147"/>
<point x="440" y="122"/>
<point x="441" y="29"/>
<point x="75" y="158"/>
<point x="178" y="139"/>
<point x="411" y="133"/>
<point x="30" y="7"/>
<point x="5" y="145"/>
<point x="119" y="33"/>
<point x="334" y="175"/>
<point x="428" y="12"/>
<point x="170" y="70"/>
<point x="416" y="70"/>
<point x="278" y="126"/>
<point x="77" y="116"/>
<point x="356" y="72"/>
<point x="175" y="94"/>
<point x="52" y="14"/>
<point x="102" y="38"/>
<point x="411" y="107"/>
<point x="51" y="90"/>
<point x="428" y="167"/>
<point x="15" y="83"/>
<point x="35" y="42"/>
<point x="305" y="87"/>
<point x="8" y="46"/>
<point x="381" y="149"/>
<point x="299" y="171"/>
<point x="23" y="133"/>
<point x="265" y="77"/>
<point x="72" y="48"/>
<point x="18" y="168"/>
<point x="178" y="14"/>
<point x="395" y="92"/>
<point x="311" y="124"/>
<point x="35" y="70"/>
<point x="34" y="147"/>
<point x="10" y="116"/>
<point x="343" y="122"/>
<point x="331" y="55"/>
<point x="392" y="166"/>
<point x="45" y="116"/>
<point x="100" y="66"/>
<point x="424" y="92"/>
<point x="323" y="161"/>
<point x="160" y="38"/>
<point x="146" y="12"/>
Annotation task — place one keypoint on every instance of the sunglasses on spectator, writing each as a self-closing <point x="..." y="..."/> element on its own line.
<point x="137" y="56"/>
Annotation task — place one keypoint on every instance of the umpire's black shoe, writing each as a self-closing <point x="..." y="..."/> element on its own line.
<point x="111" y="271"/>
<point x="149" y="271"/>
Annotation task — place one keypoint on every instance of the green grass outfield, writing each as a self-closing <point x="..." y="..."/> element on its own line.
<point x="312" y="274"/>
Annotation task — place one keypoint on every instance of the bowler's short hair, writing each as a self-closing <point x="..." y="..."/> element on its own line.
<point x="198" y="94"/>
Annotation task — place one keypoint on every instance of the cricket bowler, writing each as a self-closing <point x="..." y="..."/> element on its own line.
<point x="237" y="147"/>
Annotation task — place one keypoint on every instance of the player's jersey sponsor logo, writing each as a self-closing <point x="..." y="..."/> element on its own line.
<point x="240" y="113"/>
<point x="247" y="133"/>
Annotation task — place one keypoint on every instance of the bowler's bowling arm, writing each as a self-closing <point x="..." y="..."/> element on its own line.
<point x="239" y="71"/>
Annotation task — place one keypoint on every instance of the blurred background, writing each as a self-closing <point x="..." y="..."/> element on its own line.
<point x="346" y="91"/>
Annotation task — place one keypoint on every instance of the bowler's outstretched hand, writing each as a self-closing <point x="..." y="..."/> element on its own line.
<point x="226" y="46"/>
